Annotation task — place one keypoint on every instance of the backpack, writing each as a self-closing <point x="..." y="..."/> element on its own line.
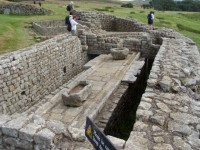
<point x="67" y="22"/>
<point x="149" y="17"/>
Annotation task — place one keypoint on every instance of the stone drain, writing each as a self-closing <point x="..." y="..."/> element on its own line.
<point x="119" y="114"/>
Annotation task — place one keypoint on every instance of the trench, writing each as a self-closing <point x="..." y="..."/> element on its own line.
<point x="121" y="123"/>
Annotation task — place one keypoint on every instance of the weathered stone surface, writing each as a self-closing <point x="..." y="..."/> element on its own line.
<point x="77" y="134"/>
<point x="140" y="126"/>
<point x="144" y="114"/>
<point x="56" y="126"/>
<point x="165" y="83"/>
<point x="18" y="143"/>
<point x="145" y="105"/>
<point x="156" y="129"/>
<point x="27" y="132"/>
<point x="162" y="146"/>
<point x="159" y="140"/>
<point x="160" y="120"/>
<point x="194" y="140"/>
<point x="179" y="143"/>
<point x="77" y="98"/>
<point x="38" y="120"/>
<point x="184" y="118"/>
<point x="45" y="137"/>
<point x="146" y="99"/>
<point x="12" y="127"/>
<point x="179" y="128"/>
<point x="137" y="140"/>
<point x="152" y="82"/>
<point x="22" y="9"/>
<point x="4" y="119"/>
<point x="118" y="143"/>
<point x="163" y="107"/>
<point x="119" y="53"/>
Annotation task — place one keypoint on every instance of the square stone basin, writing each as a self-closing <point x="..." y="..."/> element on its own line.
<point x="77" y="94"/>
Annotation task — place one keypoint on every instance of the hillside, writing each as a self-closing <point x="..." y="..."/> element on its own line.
<point x="14" y="35"/>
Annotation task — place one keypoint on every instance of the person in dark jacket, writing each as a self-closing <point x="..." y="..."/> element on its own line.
<point x="70" y="6"/>
<point x="150" y="18"/>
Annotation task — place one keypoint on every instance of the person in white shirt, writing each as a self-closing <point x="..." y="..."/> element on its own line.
<point x="74" y="25"/>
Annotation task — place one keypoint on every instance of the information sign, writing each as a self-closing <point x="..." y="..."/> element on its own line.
<point x="96" y="137"/>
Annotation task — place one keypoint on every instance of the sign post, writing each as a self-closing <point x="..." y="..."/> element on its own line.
<point x="96" y="137"/>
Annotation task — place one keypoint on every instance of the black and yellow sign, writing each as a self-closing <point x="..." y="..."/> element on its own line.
<point x="96" y="137"/>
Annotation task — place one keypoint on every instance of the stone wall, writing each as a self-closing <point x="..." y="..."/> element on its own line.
<point x="29" y="74"/>
<point x="101" y="43"/>
<point x="110" y="32"/>
<point x="50" y="28"/>
<point x="128" y="25"/>
<point x="168" y="114"/>
<point x="22" y="9"/>
<point x="99" y="20"/>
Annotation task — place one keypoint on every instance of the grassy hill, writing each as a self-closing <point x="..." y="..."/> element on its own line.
<point x="14" y="35"/>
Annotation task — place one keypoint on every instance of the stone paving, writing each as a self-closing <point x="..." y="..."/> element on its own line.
<point x="105" y="77"/>
<point x="51" y="125"/>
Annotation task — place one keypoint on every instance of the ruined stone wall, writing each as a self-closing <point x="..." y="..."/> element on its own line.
<point x="129" y="25"/>
<point x="29" y="74"/>
<point x="101" y="43"/>
<point x="50" y="28"/>
<point x="96" y="20"/>
<point x="22" y="9"/>
<point x="170" y="106"/>
<point x="99" y="20"/>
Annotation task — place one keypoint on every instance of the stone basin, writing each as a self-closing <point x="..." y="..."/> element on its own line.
<point x="77" y="94"/>
<point x="119" y="53"/>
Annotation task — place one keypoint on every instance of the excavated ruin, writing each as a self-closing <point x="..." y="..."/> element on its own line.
<point x="147" y="100"/>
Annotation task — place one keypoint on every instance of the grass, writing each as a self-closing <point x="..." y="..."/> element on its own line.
<point x="14" y="36"/>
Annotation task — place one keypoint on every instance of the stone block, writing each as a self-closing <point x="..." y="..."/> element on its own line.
<point x="160" y="120"/>
<point x="179" y="128"/>
<point x="4" y="119"/>
<point x="137" y="141"/>
<point x="56" y="126"/>
<point x="18" y="143"/>
<point x="118" y="143"/>
<point x="27" y="132"/>
<point x="185" y="118"/>
<point x="77" y="134"/>
<point x="179" y="143"/>
<point x="12" y="127"/>
<point x="44" y="137"/>
<point x="77" y="94"/>
<point x="163" y="146"/>
<point x="143" y="114"/>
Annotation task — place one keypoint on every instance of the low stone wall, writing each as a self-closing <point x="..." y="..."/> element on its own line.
<point x="99" y="20"/>
<point x="101" y="43"/>
<point x="22" y="9"/>
<point x="29" y="74"/>
<point x="128" y="25"/>
<point x="168" y="114"/>
<point x="50" y="28"/>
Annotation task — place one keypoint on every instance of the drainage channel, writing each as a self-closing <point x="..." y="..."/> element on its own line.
<point x="119" y="114"/>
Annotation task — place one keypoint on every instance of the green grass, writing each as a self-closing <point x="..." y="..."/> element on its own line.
<point x="14" y="36"/>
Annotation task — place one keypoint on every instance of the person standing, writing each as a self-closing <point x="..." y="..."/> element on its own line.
<point x="70" y="7"/>
<point x="40" y="3"/>
<point x="150" y="18"/>
<point x="74" y="24"/>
